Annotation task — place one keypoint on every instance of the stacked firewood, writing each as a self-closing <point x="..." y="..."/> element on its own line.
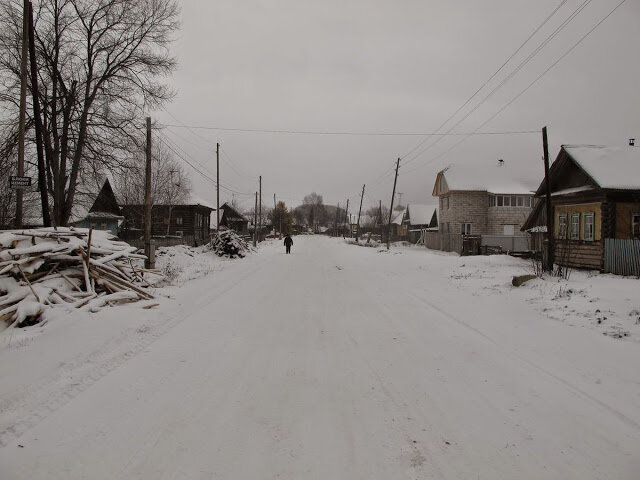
<point x="44" y="267"/>
<point x="227" y="243"/>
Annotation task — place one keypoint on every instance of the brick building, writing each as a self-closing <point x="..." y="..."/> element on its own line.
<point x="490" y="203"/>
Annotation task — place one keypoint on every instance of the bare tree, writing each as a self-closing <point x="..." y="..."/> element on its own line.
<point x="99" y="68"/>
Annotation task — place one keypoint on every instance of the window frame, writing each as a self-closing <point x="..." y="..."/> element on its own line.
<point x="577" y="230"/>
<point x="562" y="232"/>
<point x="463" y="228"/>
<point x="589" y="236"/>
<point x="634" y="234"/>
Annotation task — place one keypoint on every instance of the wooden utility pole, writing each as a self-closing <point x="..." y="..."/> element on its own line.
<point x="395" y="181"/>
<point x="335" y="234"/>
<point x="217" y="187"/>
<point x="380" y="218"/>
<point x="149" y="262"/>
<point x="39" y="128"/>
<point x="23" y="108"/>
<point x="255" y="222"/>
<point x="260" y="208"/>
<point x="346" y="217"/>
<point x="359" y="213"/>
<point x="273" y="217"/>
<point x="550" y="240"/>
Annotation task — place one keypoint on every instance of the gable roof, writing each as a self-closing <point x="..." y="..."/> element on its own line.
<point x="503" y="179"/>
<point x="616" y="168"/>
<point x="590" y="167"/>
<point x="420" y="214"/>
<point x="397" y="219"/>
<point x="231" y="214"/>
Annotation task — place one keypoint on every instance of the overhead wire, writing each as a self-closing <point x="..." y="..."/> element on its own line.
<point x="536" y="80"/>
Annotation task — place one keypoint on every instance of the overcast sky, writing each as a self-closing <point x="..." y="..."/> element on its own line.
<point x="391" y="67"/>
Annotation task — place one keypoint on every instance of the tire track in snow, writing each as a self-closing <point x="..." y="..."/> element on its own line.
<point x="33" y="404"/>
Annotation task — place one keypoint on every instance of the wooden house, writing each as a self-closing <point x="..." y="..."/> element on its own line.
<point x="190" y="221"/>
<point x="595" y="198"/>
<point x="417" y="219"/>
<point x="233" y="220"/>
<point x="104" y="213"/>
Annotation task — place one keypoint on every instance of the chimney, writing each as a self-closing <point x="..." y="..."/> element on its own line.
<point x="632" y="142"/>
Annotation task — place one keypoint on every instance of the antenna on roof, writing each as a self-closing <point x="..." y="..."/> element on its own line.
<point x="632" y="142"/>
<point x="500" y="162"/>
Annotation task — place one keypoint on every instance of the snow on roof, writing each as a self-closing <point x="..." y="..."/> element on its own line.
<point x="492" y="178"/>
<point x="568" y="191"/>
<point x="397" y="219"/>
<point x="193" y="200"/>
<point x="610" y="167"/>
<point x="420" y="214"/>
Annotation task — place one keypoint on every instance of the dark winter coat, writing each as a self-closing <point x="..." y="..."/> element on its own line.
<point x="288" y="241"/>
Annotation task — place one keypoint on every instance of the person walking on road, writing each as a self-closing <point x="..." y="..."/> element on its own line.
<point x="288" y="241"/>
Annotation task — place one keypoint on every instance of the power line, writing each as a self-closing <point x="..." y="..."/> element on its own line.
<point x="522" y="92"/>
<point x="347" y="133"/>
<point x="505" y="80"/>
<point x="491" y="77"/>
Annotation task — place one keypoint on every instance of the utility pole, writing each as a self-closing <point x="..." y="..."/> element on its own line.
<point x="255" y="222"/>
<point x="149" y="262"/>
<point x="217" y="187"/>
<point x="23" y="108"/>
<point x="336" y="223"/>
<point x="346" y="218"/>
<point x="380" y="218"/>
<point x="260" y="207"/>
<point x="550" y="241"/>
<point x="359" y="213"/>
<point x="395" y="181"/>
<point x="273" y="217"/>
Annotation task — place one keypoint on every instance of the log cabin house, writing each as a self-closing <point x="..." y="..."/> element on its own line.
<point x="595" y="197"/>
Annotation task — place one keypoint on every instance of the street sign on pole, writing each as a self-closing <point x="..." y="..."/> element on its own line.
<point x="19" y="182"/>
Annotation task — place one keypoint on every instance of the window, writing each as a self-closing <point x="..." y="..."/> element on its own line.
<point x="445" y="203"/>
<point x="575" y="226"/>
<point x="514" y="201"/>
<point x="507" y="201"/>
<point x="588" y="233"/>
<point x="492" y="201"/>
<point x="521" y="201"/>
<point x="179" y="233"/>
<point x="465" y="229"/>
<point x="500" y="200"/>
<point x="178" y="220"/>
<point x="562" y="225"/>
<point x="635" y="225"/>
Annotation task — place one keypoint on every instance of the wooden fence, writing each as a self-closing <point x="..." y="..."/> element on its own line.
<point x="622" y="256"/>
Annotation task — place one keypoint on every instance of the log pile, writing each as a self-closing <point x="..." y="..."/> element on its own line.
<point x="44" y="267"/>
<point x="228" y="244"/>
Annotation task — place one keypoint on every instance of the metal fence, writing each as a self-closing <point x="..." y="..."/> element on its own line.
<point x="508" y="243"/>
<point x="622" y="256"/>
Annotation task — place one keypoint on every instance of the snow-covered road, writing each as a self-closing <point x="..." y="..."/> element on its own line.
<point x="338" y="362"/>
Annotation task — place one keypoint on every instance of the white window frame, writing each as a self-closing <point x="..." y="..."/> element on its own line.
<point x="179" y="233"/>
<point x="635" y="215"/>
<point x="465" y="228"/>
<point x="589" y="220"/>
<point x="574" y="233"/>
<point x="178" y="220"/>
<point x="562" y="232"/>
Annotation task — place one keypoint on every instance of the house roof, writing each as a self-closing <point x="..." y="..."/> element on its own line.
<point x="420" y="214"/>
<point x="615" y="168"/>
<point x="505" y="179"/>
<point x="397" y="219"/>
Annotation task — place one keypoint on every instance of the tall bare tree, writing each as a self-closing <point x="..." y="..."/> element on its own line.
<point x="100" y="66"/>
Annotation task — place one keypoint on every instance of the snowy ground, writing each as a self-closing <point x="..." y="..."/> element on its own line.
<point x="335" y="362"/>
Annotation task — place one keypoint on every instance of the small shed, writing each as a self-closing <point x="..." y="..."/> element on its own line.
<point x="104" y="213"/>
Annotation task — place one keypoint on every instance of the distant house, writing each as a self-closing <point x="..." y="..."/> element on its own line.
<point x="417" y="219"/>
<point x="234" y="220"/>
<point x="190" y="221"/>
<point x="490" y="203"/>
<point x="104" y="213"/>
<point x="398" y="229"/>
<point x="595" y="198"/>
